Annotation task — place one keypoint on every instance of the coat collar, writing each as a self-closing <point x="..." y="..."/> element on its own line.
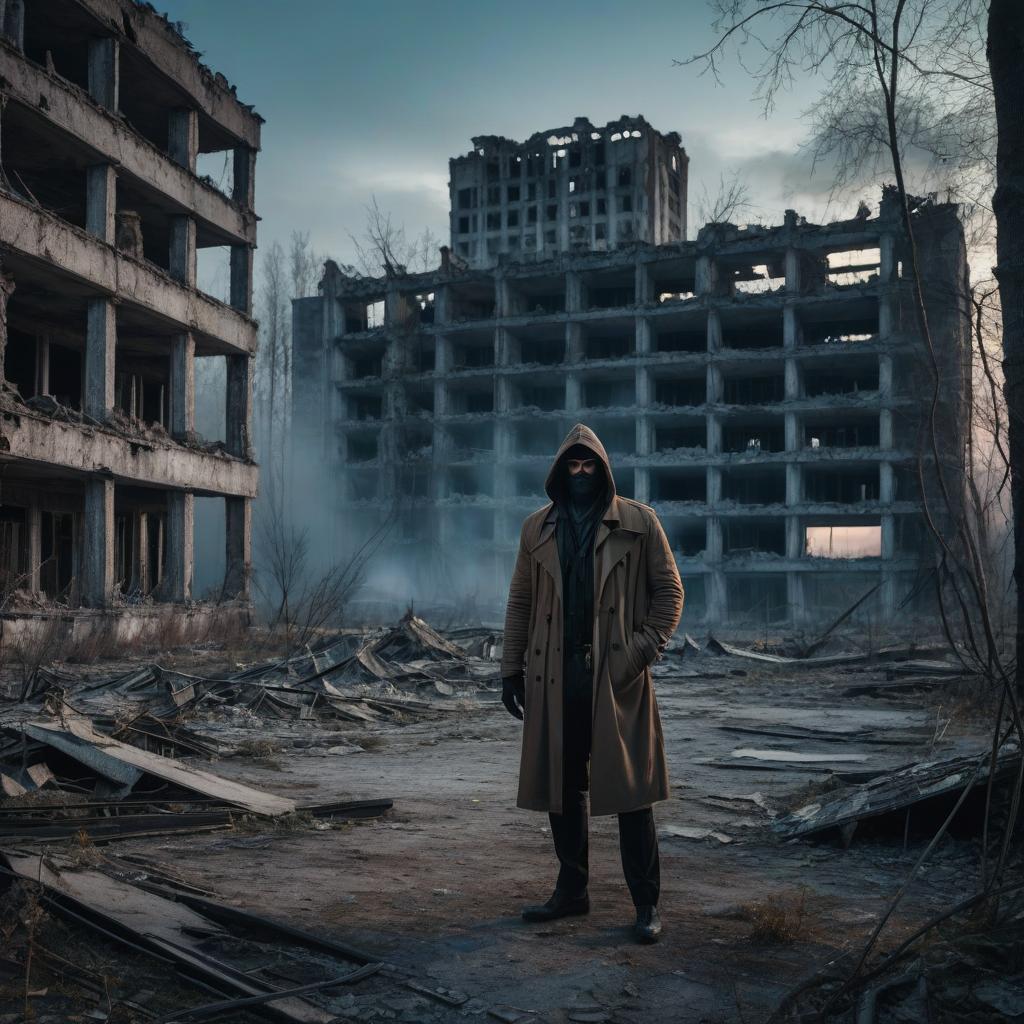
<point x="620" y="539"/>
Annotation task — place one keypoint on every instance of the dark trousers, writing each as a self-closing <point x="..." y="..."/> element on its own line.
<point x="638" y="840"/>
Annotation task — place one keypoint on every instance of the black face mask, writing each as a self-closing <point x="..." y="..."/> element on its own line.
<point x="584" y="486"/>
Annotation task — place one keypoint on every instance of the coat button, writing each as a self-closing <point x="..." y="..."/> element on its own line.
<point x="611" y="611"/>
<point x="549" y="618"/>
<point x="538" y="679"/>
<point x="537" y="651"/>
<point x="615" y="647"/>
<point x="552" y="682"/>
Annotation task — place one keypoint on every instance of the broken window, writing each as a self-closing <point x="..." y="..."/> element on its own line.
<point x="551" y="212"/>
<point x="494" y="222"/>
<point x="362" y="449"/>
<point x="625" y="176"/>
<point x="512" y="193"/>
<point x="849" y="486"/>
<point x="57" y="553"/>
<point x="857" y="266"/>
<point x="574" y="184"/>
<point x="746" y="537"/>
<point x="754" y="488"/>
<point x="549" y="353"/>
<point x="575" y="157"/>
<point x="667" y="439"/>
<point x="66" y="375"/>
<point x="547" y="398"/>
<point x="600" y="394"/>
<point x="600" y="232"/>
<point x="13" y="541"/>
<point x="608" y="348"/>
<point x="494" y="195"/>
<point x="610" y="297"/>
<point x="463" y="225"/>
<point x="669" y="485"/>
<point x="842" y="541"/>
<point x="552" y="188"/>
<point x="830" y="382"/>
<point x="531" y="191"/>
<point x="366" y="407"/>
<point x="680" y="391"/>
<point x="602" y="207"/>
<point x="551" y="237"/>
<point x="531" y="215"/>
<point x="853" y="434"/>
<point x="598" y="152"/>
<point x="754" y="390"/>
<point x="695" y="340"/>
<point x="467" y="198"/>
<point x="512" y="219"/>
<point x="493" y="170"/>
<point x="624" y="204"/>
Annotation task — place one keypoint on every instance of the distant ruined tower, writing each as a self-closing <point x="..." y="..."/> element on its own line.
<point x="576" y="189"/>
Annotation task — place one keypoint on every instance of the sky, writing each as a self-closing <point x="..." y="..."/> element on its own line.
<point x="370" y="98"/>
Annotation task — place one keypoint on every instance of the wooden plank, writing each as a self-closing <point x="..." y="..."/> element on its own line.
<point x="77" y="737"/>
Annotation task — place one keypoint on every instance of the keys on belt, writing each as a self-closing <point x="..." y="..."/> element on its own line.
<point x="587" y="650"/>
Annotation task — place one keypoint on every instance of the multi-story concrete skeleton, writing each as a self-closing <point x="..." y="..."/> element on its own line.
<point x="104" y="108"/>
<point x="765" y="389"/>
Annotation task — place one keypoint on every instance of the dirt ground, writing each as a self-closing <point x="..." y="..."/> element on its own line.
<point x="436" y="885"/>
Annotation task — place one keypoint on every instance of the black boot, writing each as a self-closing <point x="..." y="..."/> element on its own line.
<point x="648" y="925"/>
<point x="561" y="904"/>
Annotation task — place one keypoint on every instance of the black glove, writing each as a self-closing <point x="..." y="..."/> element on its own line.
<point x="513" y="695"/>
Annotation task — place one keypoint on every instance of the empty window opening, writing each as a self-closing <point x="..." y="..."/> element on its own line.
<point x="754" y="437"/>
<point x="610" y="298"/>
<point x="830" y="382"/>
<point x="855" y="434"/>
<point x="546" y="398"/>
<point x="362" y="486"/>
<point x="759" y="278"/>
<point x="471" y="482"/>
<point x="471" y="401"/>
<point x="674" y="485"/>
<point x="850" y="487"/>
<point x="615" y="347"/>
<point x="752" y="488"/>
<point x="13" y="549"/>
<point x="20" y="362"/>
<point x="849" y="330"/>
<point x="600" y="394"/>
<point x="758" y="599"/>
<point x="753" y="537"/>
<point x="548" y="353"/>
<point x="753" y="334"/>
<point x="475" y="303"/>
<point x="857" y="266"/>
<point x="618" y="436"/>
<point x="365" y="407"/>
<point x="471" y="443"/>
<point x="420" y="403"/>
<point x="57" y="567"/>
<point x="538" y="438"/>
<point x="425" y="359"/>
<point x="529" y="481"/>
<point x="366" y="365"/>
<point x="680" y="391"/>
<point x="687" y="538"/>
<point x="674" y="439"/>
<point x="682" y="341"/>
<point x="362" y="449"/>
<point x="841" y="541"/>
<point x="141" y="396"/>
<point x="754" y="390"/>
<point x="467" y="357"/>
<point x="65" y="383"/>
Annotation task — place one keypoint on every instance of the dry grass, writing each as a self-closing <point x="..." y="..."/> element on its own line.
<point x="780" y="918"/>
<point x="258" y="750"/>
<point x="298" y="821"/>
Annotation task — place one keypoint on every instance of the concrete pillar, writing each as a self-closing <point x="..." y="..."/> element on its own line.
<point x="887" y="258"/>
<point x="885" y="429"/>
<point x="794" y="538"/>
<point x="886" y="483"/>
<point x="42" y="364"/>
<point x="12" y="21"/>
<point x="244" y="178"/>
<point x="34" y="528"/>
<point x="791" y="381"/>
<point x="238" y="540"/>
<point x="6" y="291"/>
<point x="790" y="327"/>
<point x="713" y="484"/>
<point x="715" y="591"/>
<point x="574" y="292"/>
<point x="642" y="485"/>
<point x="714" y="331"/>
<point x="183" y="137"/>
<point x="791" y="423"/>
<point x="241" y="279"/>
<point x="101" y="201"/>
<point x="715" y="384"/>
<point x="442" y="304"/>
<point x="182" y="254"/>
<point x="502" y="296"/>
<point x="573" y="393"/>
<point x="888" y="553"/>
<point x="238" y="426"/>
<point x="100" y="348"/>
<point x="706" y="276"/>
<point x="104" y="72"/>
<point x="792" y="265"/>
<point x="97" y="564"/>
<point x="885" y="392"/>
<point x="794" y="484"/>
<point x="573" y="343"/>
<point x="182" y="385"/>
<point x="140" y="554"/>
<point x="713" y="440"/>
<point x="644" y="336"/>
<point x="644" y="284"/>
<point x="795" y="597"/>
<point x="180" y="520"/>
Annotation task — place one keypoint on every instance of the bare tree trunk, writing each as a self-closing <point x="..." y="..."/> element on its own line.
<point x="1006" y="58"/>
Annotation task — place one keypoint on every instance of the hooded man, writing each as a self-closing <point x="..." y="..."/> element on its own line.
<point x="595" y="597"/>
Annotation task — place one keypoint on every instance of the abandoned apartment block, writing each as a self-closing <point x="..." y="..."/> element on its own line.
<point x="567" y="190"/>
<point x="765" y="389"/>
<point x="104" y="112"/>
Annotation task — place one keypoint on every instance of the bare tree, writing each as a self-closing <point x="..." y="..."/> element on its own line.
<point x="732" y="199"/>
<point x="901" y="72"/>
<point x="384" y="248"/>
<point x="304" y="265"/>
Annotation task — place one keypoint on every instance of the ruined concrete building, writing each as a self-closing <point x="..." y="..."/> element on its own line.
<point x="572" y="189"/>
<point x="104" y="109"/>
<point x="762" y="388"/>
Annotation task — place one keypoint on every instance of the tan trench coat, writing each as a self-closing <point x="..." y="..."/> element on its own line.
<point x="637" y="603"/>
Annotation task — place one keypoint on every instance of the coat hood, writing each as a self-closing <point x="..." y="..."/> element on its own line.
<point x="580" y="434"/>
